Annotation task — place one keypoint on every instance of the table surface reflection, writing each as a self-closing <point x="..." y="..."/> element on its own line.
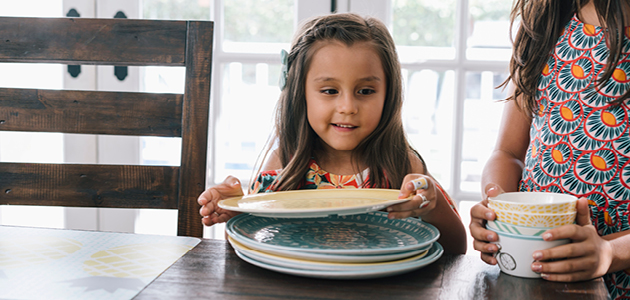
<point x="213" y="271"/>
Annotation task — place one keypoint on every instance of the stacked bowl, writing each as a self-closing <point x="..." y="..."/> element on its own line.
<point x="521" y="219"/>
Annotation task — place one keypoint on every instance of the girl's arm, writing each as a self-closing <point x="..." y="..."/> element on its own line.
<point x="501" y="173"/>
<point x="505" y="165"/>
<point x="437" y="211"/>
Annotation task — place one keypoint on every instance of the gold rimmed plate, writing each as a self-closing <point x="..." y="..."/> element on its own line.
<point x="313" y="203"/>
<point x="291" y="262"/>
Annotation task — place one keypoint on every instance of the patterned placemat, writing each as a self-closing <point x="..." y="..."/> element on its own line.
<point x="38" y="263"/>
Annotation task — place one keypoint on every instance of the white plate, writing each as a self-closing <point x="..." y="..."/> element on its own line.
<point x="434" y="254"/>
<point x="365" y="234"/>
<point x="289" y="262"/>
<point x="313" y="203"/>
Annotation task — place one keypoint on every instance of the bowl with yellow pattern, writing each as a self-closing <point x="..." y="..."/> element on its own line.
<point x="534" y="202"/>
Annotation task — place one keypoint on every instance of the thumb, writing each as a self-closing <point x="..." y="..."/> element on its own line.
<point x="493" y="190"/>
<point x="231" y="181"/>
<point x="583" y="212"/>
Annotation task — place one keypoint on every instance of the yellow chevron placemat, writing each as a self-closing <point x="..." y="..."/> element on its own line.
<point x="38" y="263"/>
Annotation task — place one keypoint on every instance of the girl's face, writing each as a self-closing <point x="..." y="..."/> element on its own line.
<point x="345" y="93"/>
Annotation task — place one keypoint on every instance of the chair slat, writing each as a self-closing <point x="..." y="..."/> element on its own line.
<point x="91" y="112"/>
<point x="195" y="124"/>
<point x="89" y="185"/>
<point x="95" y="41"/>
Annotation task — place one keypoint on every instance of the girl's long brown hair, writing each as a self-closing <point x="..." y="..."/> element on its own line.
<point x="542" y="23"/>
<point x="385" y="151"/>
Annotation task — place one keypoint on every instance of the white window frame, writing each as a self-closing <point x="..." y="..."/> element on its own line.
<point x="98" y="149"/>
<point x="381" y="9"/>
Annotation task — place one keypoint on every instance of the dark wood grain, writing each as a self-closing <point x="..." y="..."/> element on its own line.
<point x="83" y="41"/>
<point x="91" y="112"/>
<point x="125" y="42"/>
<point x="213" y="271"/>
<point x="76" y="185"/>
<point x="195" y="124"/>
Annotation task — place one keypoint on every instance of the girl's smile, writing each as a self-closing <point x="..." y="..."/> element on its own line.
<point x="345" y="93"/>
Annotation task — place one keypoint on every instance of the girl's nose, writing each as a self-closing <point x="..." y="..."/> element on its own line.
<point x="347" y="104"/>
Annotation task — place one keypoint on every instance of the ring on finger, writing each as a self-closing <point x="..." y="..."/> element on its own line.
<point x="425" y="201"/>
<point x="420" y="183"/>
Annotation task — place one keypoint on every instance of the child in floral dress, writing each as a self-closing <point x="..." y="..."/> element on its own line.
<point x="567" y="130"/>
<point x="339" y="125"/>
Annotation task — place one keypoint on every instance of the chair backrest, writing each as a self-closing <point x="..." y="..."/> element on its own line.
<point x="118" y="42"/>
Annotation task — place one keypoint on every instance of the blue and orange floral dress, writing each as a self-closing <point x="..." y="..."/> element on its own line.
<point x="317" y="178"/>
<point x="579" y="142"/>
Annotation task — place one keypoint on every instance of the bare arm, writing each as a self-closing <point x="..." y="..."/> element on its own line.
<point x="505" y="165"/>
<point x="502" y="172"/>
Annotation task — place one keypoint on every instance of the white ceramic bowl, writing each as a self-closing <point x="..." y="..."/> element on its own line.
<point x="534" y="219"/>
<point x="515" y="229"/>
<point x="534" y="202"/>
<point x="515" y="255"/>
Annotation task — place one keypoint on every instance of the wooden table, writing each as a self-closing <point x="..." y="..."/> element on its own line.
<point x="213" y="271"/>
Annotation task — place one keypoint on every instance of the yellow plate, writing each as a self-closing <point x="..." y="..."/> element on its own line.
<point x="313" y="203"/>
<point x="293" y="262"/>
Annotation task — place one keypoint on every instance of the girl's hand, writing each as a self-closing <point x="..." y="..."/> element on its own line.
<point x="210" y="211"/>
<point x="480" y="214"/>
<point x="424" y="198"/>
<point x="588" y="255"/>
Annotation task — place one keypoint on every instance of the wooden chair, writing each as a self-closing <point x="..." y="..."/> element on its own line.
<point x="118" y="42"/>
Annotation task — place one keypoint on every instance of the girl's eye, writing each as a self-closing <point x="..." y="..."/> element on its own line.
<point x="330" y="91"/>
<point x="366" y="92"/>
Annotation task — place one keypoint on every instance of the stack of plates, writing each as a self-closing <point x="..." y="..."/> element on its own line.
<point x="356" y="246"/>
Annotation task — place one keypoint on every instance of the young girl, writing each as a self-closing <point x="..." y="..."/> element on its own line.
<point x="338" y="125"/>
<point x="566" y="130"/>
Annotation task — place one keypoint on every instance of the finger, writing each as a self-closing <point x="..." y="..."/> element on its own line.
<point x="583" y="212"/>
<point x="222" y="218"/>
<point x="479" y="232"/>
<point x="419" y="183"/>
<point x="204" y="211"/>
<point x="406" y="190"/>
<point x="485" y="247"/>
<point x="412" y="183"/>
<point x="489" y="259"/>
<point x="573" y="232"/>
<point x="561" y="252"/>
<point x="207" y="221"/>
<point x="204" y="197"/>
<point x="480" y="212"/>
<point x="230" y="186"/>
<point x="493" y="190"/>
<point x="564" y="266"/>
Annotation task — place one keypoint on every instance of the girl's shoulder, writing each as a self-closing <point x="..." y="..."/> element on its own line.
<point x="273" y="162"/>
<point x="264" y="181"/>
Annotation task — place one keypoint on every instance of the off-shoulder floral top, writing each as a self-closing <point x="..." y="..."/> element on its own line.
<point x="318" y="178"/>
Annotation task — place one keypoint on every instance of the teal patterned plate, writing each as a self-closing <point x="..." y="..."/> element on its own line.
<point x="363" y="234"/>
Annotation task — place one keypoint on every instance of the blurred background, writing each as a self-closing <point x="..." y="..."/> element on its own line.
<point x="454" y="54"/>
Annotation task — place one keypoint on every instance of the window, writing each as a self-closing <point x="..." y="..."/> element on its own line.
<point x="453" y="53"/>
